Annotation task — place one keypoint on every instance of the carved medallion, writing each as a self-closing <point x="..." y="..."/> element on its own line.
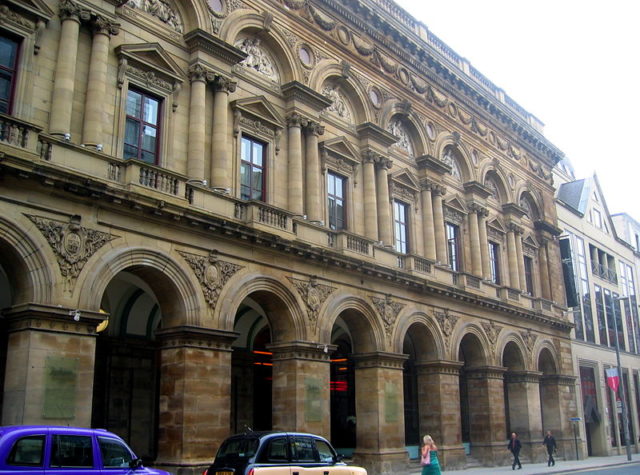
<point x="313" y="294"/>
<point x="72" y="244"/>
<point x="492" y="330"/>
<point x="212" y="273"/>
<point x="388" y="311"/>
<point x="447" y="323"/>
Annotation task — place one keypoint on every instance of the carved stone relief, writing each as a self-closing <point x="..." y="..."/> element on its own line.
<point x="72" y="244"/>
<point x="492" y="330"/>
<point x="388" y="310"/>
<point x="397" y="128"/>
<point x="313" y="294"/>
<point x="339" y="106"/>
<point x="212" y="273"/>
<point x="161" y="10"/>
<point x="447" y="323"/>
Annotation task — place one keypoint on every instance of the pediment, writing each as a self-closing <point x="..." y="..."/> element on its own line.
<point x="406" y="178"/>
<point x="497" y="225"/>
<point x="259" y="108"/>
<point x="456" y="203"/>
<point x="530" y="241"/>
<point x="342" y="150"/>
<point x="33" y="9"/>
<point x="151" y="57"/>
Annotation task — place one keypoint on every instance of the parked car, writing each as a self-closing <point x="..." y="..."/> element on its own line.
<point x="48" y="450"/>
<point x="279" y="453"/>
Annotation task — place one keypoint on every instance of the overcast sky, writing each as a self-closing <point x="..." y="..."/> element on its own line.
<point x="574" y="64"/>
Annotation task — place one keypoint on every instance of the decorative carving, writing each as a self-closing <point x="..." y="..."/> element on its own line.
<point x="149" y="78"/>
<point x="212" y="273"/>
<point x="388" y="311"/>
<point x="257" y="58"/>
<point x="313" y="293"/>
<point x="9" y="16"/>
<point x="339" y="104"/>
<point x="325" y="22"/>
<point x="453" y="215"/>
<point x="447" y="323"/>
<point x="397" y="128"/>
<point x="72" y="244"/>
<point x="492" y="330"/>
<point x="160" y="10"/>
<point x="363" y="47"/>
<point x="452" y="162"/>
<point x="529" y="339"/>
<point x="198" y="72"/>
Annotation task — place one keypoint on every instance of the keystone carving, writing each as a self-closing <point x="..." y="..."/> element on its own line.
<point x="212" y="273"/>
<point x="388" y="311"/>
<point x="492" y="330"/>
<point x="72" y="244"/>
<point x="313" y="294"/>
<point x="447" y="323"/>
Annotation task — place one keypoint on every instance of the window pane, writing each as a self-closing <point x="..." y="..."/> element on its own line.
<point x="151" y="110"/>
<point x="27" y="451"/>
<point x="71" y="451"/>
<point x="245" y="150"/>
<point x="149" y="138"/>
<point x="148" y="157"/>
<point x="134" y="103"/>
<point x="245" y="174"/>
<point x="8" y="52"/>
<point x="114" y="454"/>
<point x="257" y="154"/>
<point x="5" y="87"/>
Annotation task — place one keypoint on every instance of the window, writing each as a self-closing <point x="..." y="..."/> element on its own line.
<point x="114" y="453"/>
<point x="400" y="226"/>
<point x="324" y="451"/>
<point x="142" y="127"/>
<point x="304" y="450"/>
<point x="453" y="246"/>
<point x="252" y="169"/>
<point x="71" y="451"/>
<point x="335" y="201"/>
<point x="597" y="219"/>
<point x="494" y="262"/>
<point x="277" y="451"/>
<point x="528" y="274"/>
<point x="602" y="325"/>
<point x="27" y="451"/>
<point x="8" y="70"/>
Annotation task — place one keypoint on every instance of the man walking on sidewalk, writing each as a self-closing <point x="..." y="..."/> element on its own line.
<point x="515" y="446"/>
<point x="550" y="443"/>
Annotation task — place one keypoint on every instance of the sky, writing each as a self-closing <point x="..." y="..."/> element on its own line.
<point x="574" y="64"/>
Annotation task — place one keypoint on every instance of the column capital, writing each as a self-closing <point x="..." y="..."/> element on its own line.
<point x="72" y="11"/>
<point x="438" y="190"/>
<point x="486" y="372"/>
<point x="515" y="228"/>
<point x="198" y="73"/>
<point x="477" y="208"/>
<point x="379" y="359"/>
<point x="296" y="120"/>
<point x="224" y="84"/>
<point x="301" y="350"/>
<point x="196" y="337"/>
<point x="314" y="128"/>
<point x="523" y="377"/>
<point x="103" y="26"/>
<point x="426" y="184"/>
<point x="440" y="367"/>
<point x="369" y="156"/>
<point x="383" y="163"/>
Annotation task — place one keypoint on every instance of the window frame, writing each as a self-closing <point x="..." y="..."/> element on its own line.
<point x="454" y="257"/>
<point x="528" y="267"/>
<point x="13" y="73"/>
<point x="142" y="123"/>
<point x="343" y="180"/>
<point x="401" y="223"/>
<point x="494" y="262"/>
<point x="264" y="168"/>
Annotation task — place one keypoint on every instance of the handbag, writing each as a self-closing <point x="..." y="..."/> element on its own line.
<point x="426" y="459"/>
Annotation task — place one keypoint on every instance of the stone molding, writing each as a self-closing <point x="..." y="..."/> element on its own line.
<point x="379" y="359"/>
<point x="187" y="336"/>
<point x="492" y="331"/>
<point x="522" y="377"/>
<point x="301" y="350"/>
<point x="388" y="311"/>
<point x="443" y="367"/>
<point x="45" y="318"/>
<point x="313" y="294"/>
<point x="486" y="372"/>
<point x="558" y="379"/>
<point x="447" y="323"/>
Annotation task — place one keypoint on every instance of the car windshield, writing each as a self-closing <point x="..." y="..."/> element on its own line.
<point x="240" y="448"/>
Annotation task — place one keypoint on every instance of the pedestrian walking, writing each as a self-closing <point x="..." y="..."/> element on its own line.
<point x="429" y="457"/>
<point x="515" y="446"/>
<point x="550" y="443"/>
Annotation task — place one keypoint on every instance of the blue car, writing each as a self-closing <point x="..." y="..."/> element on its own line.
<point x="48" y="450"/>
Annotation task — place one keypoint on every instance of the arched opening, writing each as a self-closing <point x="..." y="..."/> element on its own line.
<point x="126" y="373"/>
<point x="472" y="417"/>
<point x="6" y="299"/>
<point x="515" y="396"/>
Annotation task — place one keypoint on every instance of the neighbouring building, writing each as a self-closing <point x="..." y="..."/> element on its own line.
<point x="601" y="275"/>
<point x="301" y="215"/>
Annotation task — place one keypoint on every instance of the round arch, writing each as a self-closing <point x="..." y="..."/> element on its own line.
<point x="284" y="311"/>
<point x="28" y="263"/>
<point x="425" y="333"/>
<point x="461" y="151"/>
<point x="510" y="345"/>
<point x="180" y="297"/>
<point x="547" y="359"/>
<point x="470" y="340"/>
<point x="492" y="171"/>
<point x="392" y="111"/>
<point x="365" y="327"/>
<point x="533" y="201"/>
<point x="241" y="22"/>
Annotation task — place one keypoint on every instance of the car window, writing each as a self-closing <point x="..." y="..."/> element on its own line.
<point x="324" y="451"/>
<point x="27" y="451"/>
<point x="304" y="450"/>
<point x="241" y="447"/>
<point x="71" y="451"/>
<point x="276" y="450"/>
<point x="114" y="453"/>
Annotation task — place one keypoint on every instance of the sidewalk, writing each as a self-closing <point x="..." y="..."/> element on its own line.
<point x="561" y="466"/>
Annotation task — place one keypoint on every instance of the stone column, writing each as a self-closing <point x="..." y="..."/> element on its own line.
<point x="520" y="259"/>
<point x="439" y="409"/>
<point x="523" y="391"/>
<point x="438" y="223"/>
<point x="380" y="413"/>
<point x="384" y="208"/>
<point x="474" y="237"/>
<point x="65" y="68"/>
<point x="484" y="244"/>
<point x="512" y="258"/>
<point x="48" y="349"/>
<point x="96" y="86"/>
<point x="295" y="123"/>
<point x="370" y="199"/>
<point x="301" y="396"/>
<point x="198" y="76"/>
<point x="312" y="170"/>
<point x="221" y="163"/>
<point x="544" y="271"/>
<point x="558" y="401"/>
<point x="428" y="232"/>
<point x="486" y="414"/>
<point x="195" y="395"/>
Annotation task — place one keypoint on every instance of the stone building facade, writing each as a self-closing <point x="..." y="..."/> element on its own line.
<point x="300" y="215"/>
<point x="601" y="271"/>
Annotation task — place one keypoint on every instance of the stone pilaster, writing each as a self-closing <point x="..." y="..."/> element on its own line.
<point x="295" y="122"/>
<point x="512" y="254"/>
<point x="65" y="72"/>
<point x="301" y="374"/>
<point x="198" y="76"/>
<point x="370" y="199"/>
<point x="486" y="414"/>
<point x="428" y="231"/>
<point x="439" y="409"/>
<point x="520" y="259"/>
<point x="484" y="244"/>
<point x="384" y="207"/>
<point x="545" y="284"/>
<point x="523" y="391"/>
<point x="221" y="163"/>
<point x="195" y="395"/>
<point x="49" y="366"/>
<point x="438" y="222"/>
<point x="380" y="413"/>
<point x="96" y="86"/>
<point x="312" y="170"/>
<point x="474" y="238"/>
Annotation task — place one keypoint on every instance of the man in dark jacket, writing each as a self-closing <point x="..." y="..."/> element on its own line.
<point x="515" y="446"/>
<point x="550" y="443"/>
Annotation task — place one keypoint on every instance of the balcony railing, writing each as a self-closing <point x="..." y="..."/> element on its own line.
<point x="18" y="133"/>
<point x="604" y="272"/>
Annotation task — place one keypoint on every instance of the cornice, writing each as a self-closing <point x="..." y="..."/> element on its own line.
<point x="200" y="40"/>
<point x="295" y="91"/>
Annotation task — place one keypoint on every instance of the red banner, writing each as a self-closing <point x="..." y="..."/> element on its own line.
<point x="613" y="380"/>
